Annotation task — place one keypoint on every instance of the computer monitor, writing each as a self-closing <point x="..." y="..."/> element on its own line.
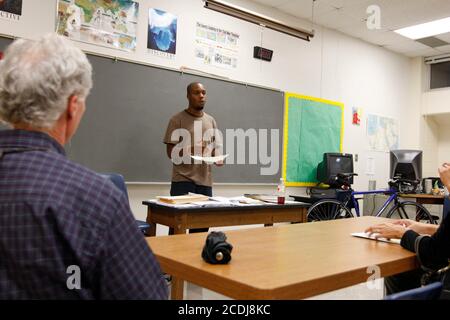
<point x="332" y="164"/>
<point x="406" y="164"/>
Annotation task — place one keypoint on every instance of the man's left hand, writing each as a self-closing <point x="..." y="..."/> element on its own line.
<point x="219" y="163"/>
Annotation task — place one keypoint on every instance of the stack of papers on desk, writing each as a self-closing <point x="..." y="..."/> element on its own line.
<point x="201" y="201"/>
<point x="372" y="237"/>
<point x="189" y="198"/>
<point x="262" y="197"/>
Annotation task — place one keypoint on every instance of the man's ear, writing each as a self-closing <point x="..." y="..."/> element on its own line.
<point x="72" y="106"/>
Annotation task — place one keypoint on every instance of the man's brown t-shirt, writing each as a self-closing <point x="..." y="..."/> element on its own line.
<point x="199" y="173"/>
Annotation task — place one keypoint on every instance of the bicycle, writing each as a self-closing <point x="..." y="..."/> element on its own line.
<point x="330" y="209"/>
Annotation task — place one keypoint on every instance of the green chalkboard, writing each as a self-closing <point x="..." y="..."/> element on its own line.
<point x="313" y="126"/>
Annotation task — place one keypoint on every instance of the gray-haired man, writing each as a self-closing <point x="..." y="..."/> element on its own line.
<point x="65" y="232"/>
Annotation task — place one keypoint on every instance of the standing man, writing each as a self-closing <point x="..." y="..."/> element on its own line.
<point x="65" y="231"/>
<point x="192" y="132"/>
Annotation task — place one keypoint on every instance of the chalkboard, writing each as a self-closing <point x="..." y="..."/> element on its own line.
<point x="129" y="108"/>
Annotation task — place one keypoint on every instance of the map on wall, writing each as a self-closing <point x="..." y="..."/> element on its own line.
<point x="382" y="133"/>
<point x="162" y="33"/>
<point x="11" y="9"/>
<point x="110" y="23"/>
<point x="216" y="47"/>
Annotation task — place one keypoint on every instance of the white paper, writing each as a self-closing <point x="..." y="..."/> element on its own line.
<point x="372" y="236"/>
<point x="370" y="169"/>
<point x="210" y="160"/>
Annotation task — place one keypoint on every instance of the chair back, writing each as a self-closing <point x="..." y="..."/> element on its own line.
<point x="431" y="291"/>
<point x="118" y="180"/>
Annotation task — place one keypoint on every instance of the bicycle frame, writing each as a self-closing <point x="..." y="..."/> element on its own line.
<point x="393" y="196"/>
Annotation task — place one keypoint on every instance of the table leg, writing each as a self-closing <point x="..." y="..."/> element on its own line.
<point x="152" y="229"/>
<point x="177" y="290"/>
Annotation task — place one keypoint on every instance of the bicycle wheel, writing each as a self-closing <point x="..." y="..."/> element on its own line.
<point x="328" y="210"/>
<point x="411" y="210"/>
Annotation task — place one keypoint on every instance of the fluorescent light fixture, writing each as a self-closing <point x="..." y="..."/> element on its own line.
<point x="256" y="18"/>
<point x="425" y="30"/>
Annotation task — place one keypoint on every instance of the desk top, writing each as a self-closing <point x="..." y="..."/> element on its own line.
<point x="156" y="205"/>
<point x="284" y="262"/>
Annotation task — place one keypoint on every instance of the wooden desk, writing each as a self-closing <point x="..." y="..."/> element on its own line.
<point x="182" y="219"/>
<point x="424" y="198"/>
<point x="284" y="262"/>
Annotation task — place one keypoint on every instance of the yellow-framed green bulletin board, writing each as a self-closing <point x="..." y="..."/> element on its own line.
<point x="312" y="126"/>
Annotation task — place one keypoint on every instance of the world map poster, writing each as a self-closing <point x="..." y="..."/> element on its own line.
<point x="382" y="133"/>
<point x="109" y="23"/>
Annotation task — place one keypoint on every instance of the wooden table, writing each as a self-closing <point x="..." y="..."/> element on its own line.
<point x="424" y="198"/>
<point x="284" y="262"/>
<point x="182" y="219"/>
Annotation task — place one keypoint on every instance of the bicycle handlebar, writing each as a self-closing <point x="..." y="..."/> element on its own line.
<point x="346" y="175"/>
<point x="398" y="179"/>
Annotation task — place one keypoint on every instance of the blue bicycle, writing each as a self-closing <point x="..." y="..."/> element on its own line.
<point x="330" y="209"/>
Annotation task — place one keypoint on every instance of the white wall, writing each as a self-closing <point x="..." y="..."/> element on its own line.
<point x="436" y="112"/>
<point x="332" y="66"/>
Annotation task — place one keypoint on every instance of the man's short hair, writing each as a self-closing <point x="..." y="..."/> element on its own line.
<point x="37" y="77"/>
<point x="189" y="87"/>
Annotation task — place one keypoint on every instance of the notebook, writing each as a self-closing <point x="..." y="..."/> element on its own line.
<point x="372" y="237"/>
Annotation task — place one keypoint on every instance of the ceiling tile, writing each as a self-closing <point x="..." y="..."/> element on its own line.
<point x="407" y="46"/>
<point x="303" y="8"/>
<point x="445" y="37"/>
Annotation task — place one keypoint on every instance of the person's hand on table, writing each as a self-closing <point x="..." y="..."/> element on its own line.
<point x="387" y="230"/>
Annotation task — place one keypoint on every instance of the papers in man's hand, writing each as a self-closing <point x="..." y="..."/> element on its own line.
<point x="210" y="160"/>
<point x="373" y="237"/>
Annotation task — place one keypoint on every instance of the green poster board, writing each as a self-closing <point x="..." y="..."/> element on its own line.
<point x="313" y="126"/>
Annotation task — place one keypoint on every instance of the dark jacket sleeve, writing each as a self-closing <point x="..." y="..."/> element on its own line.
<point x="432" y="251"/>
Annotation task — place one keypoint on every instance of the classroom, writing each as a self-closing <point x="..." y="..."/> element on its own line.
<point x="285" y="84"/>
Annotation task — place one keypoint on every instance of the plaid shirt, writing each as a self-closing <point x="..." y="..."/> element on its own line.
<point x="58" y="221"/>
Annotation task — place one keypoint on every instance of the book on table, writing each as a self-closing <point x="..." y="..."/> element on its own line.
<point x="262" y="197"/>
<point x="188" y="198"/>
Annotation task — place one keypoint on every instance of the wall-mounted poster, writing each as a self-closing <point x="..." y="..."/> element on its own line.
<point x="110" y="23"/>
<point x="216" y="47"/>
<point x="11" y="9"/>
<point x="382" y="133"/>
<point x="356" y="116"/>
<point x="162" y="33"/>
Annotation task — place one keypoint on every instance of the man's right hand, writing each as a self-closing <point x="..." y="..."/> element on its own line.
<point x="444" y="174"/>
